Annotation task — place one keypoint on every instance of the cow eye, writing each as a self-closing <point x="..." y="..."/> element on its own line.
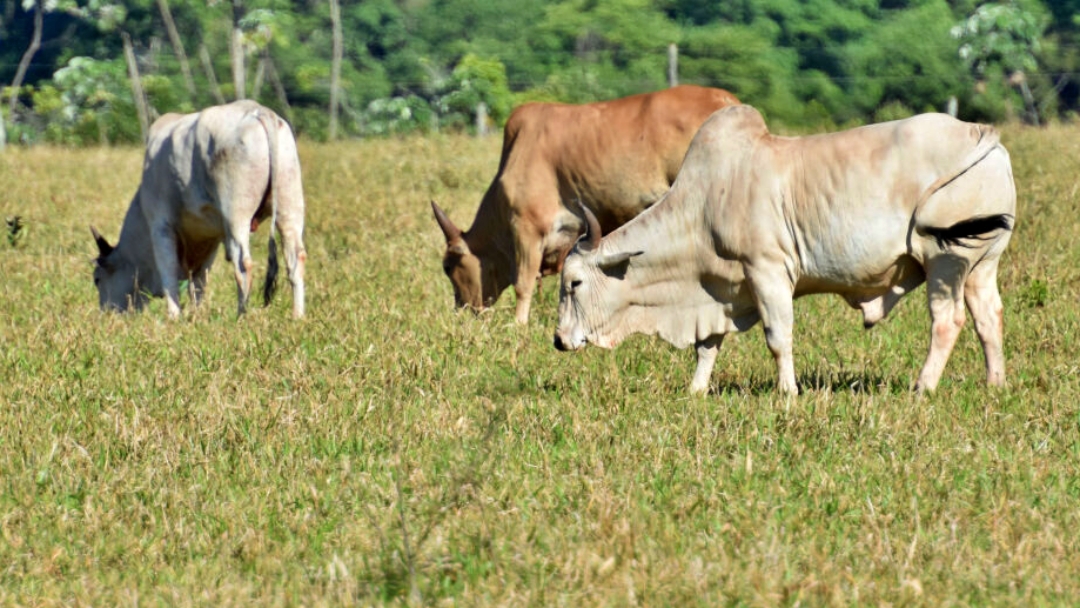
<point x="575" y="283"/>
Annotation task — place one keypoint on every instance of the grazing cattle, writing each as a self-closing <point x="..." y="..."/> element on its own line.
<point x="755" y="220"/>
<point x="616" y="157"/>
<point x="208" y="178"/>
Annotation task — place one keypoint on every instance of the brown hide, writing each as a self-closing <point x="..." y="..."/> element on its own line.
<point x="615" y="157"/>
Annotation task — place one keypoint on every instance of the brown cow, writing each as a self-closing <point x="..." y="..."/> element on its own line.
<point x="616" y="157"/>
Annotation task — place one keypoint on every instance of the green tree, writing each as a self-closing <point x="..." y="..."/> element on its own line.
<point x="474" y="81"/>
<point x="605" y="49"/>
<point x="1003" y="38"/>
<point x="746" y="61"/>
<point x="888" y="71"/>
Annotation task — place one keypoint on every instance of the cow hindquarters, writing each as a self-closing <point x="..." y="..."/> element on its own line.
<point x="964" y="228"/>
<point x="288" y="215"/>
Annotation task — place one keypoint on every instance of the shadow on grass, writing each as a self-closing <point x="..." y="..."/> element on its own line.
<point x="815" y="381"/>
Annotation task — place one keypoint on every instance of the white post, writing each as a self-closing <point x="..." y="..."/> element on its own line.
<point x="673" y="64"/>
<point x="481" y="119"/>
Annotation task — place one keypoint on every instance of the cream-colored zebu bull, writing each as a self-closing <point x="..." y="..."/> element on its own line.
<point x="208" y="178"/>
<point x="754" y="220"/>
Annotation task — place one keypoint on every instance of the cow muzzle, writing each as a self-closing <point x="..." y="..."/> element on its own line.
<point x="569" y="343"/>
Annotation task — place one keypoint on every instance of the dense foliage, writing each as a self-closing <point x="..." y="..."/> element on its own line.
<point x="426" y="64"/>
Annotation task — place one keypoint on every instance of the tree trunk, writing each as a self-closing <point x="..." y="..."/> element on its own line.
<point x="236" y="51"/>
<point x="1029" y="101"/>
<point x="279" y="88"/>
<point x="1019" y="80"/>
<point x="208" y="67"/>
<point x="178" y="46"/>
<point x="260" y="75"/>
<point x="136" y="85"/>
<point x="335" y="67"/>
<point x="24" y="64"/>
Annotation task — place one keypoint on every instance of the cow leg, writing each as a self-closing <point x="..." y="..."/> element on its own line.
<point x="528" y="273"/>
<point x="199" y="279"/>
<point x="984" y="302"/>
<point x="945" y="279"/>
<point x="774" y="294"/>
<point x="295" y="258"/>
<point x="238" y="250"/>
<point x="164" y="242"/>
<point x="707" y="350"/>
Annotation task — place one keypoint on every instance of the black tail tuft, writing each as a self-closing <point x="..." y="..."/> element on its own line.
<point x="976" y="228"/>
<point x="270" y="286"/>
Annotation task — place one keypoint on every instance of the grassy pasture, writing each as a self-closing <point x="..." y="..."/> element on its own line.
<point x="388" y="450"/>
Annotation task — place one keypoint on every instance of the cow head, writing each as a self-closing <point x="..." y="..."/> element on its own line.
<point x="115" y="280"/>
<point x="593" y="293"/>
<point x="472" y="277"/>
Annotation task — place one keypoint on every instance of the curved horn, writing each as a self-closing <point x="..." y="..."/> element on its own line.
<point x="450" y="231"/>
<point x="103" y="246"/>
<point x="593" y="235"/>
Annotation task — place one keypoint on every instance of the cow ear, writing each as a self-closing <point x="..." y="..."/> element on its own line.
<point x="616" y="261"/>
<point x="104" y="248"/>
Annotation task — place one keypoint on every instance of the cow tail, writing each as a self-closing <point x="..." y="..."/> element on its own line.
<point x="978" y="228"/>
<point x="269" y="122"/>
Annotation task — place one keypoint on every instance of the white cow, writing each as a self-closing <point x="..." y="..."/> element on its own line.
<point x="755" y="220"/>
<point x="208" y="178"/>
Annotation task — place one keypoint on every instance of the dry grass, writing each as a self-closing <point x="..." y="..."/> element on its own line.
<point x="389" y="450"/>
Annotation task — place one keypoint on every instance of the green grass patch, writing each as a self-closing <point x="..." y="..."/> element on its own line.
<point x="390" y="450"/>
